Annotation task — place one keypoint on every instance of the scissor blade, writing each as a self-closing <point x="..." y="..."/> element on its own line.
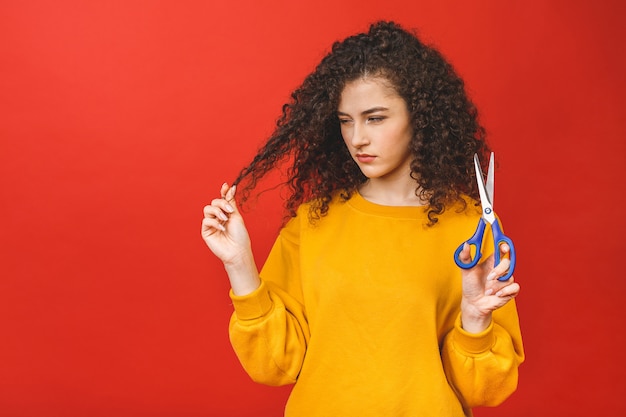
<point x="482" y="191"/>
<point x="489" y="185"/>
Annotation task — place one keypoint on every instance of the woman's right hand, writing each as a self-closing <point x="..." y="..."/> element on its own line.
<point x="223" y="228"/>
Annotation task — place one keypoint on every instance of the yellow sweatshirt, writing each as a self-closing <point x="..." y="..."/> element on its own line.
<point x="361" y="311"/>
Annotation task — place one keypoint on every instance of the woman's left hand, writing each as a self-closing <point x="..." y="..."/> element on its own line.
<point x="482" y="292"/>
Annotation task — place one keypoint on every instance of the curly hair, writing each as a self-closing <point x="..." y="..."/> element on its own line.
<point x="308" y="138"/>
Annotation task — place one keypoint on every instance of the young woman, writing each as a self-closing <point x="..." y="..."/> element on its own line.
<point x="360" y="303"/>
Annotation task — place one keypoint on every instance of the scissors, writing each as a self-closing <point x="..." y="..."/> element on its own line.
<point x="485" y="190"/>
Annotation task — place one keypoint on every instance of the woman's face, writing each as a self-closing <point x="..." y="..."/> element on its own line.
<point x="376" y="128"/>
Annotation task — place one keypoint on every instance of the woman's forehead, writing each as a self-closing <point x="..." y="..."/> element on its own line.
<point x="367" y="91"/>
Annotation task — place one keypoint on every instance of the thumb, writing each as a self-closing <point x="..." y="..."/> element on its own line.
<point x="465" y="254"/>
<point x="230" y="198"/>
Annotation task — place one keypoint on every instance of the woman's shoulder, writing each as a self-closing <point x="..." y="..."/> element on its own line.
<point x="467" y="203"/>
<point x="310" y="214"/>
<point x="337" y="197"/>
<point x="461" y="209"/>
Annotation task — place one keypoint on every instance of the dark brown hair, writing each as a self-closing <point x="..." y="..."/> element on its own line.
<point x="308" y="138"/>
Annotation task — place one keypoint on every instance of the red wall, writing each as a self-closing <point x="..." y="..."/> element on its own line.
<point x="120" y="119"/>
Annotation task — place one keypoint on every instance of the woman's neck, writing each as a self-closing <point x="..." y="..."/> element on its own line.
<point x="394" y="193"/>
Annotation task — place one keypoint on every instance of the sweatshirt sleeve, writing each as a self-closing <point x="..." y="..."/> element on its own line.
<point x="483" y="367"/>
<point x="269" y="330"/>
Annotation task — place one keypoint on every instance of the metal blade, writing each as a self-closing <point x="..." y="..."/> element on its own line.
<point x="489" y="185"/>
<point x="488" y="214"/>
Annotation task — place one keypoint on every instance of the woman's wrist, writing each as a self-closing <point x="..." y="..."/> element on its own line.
<point x="243" y="274"/>
<point x="472" y="319"/>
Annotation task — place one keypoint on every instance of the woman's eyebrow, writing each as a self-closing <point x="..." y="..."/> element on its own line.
<point x="365" y="112"/>
<point x="374" y="110"/>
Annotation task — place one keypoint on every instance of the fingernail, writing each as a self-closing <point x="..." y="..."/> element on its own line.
<point x="230" y="194"/>
<point x="499" y="293"/>
<point x="229" y="208"/>
<point x="222" y="216"/>
<point x="489" y="291"/>
<point x="491" y="276"/>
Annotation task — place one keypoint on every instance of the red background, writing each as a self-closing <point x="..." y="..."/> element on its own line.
<point x="120" y="119"/>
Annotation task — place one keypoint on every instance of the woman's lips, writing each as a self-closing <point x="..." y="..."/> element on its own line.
<point x="365" y="158"/>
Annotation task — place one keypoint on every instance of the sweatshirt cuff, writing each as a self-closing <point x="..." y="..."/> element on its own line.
<point x="473" y="343"/>
<point x="254" y="305"/>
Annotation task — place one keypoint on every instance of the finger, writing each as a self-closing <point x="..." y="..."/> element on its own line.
<point x="495" y="286"/>
<point x="499" y="270"/>
<point x="212" y="224"/>
<point x="465" y="254"/>
<point x="510" y="291"/>
<point x="224" y="189"/>
<point x="216" y="210"/>
<point x="229" y="198"/>
<point x="504" y="248"/>
<point x="230" y="194"/>
<point x="223" y="205"/>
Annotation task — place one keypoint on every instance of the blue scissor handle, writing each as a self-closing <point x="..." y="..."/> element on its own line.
<point x="499" y="238"/>
<point x="476" y="240"/>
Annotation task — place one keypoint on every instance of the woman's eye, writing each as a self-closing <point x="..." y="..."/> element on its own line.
<point x="344" y="121"/>
<point x="375" y="119"/>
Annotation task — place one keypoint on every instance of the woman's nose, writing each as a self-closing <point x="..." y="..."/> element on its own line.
<point x="359" y="136"/>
